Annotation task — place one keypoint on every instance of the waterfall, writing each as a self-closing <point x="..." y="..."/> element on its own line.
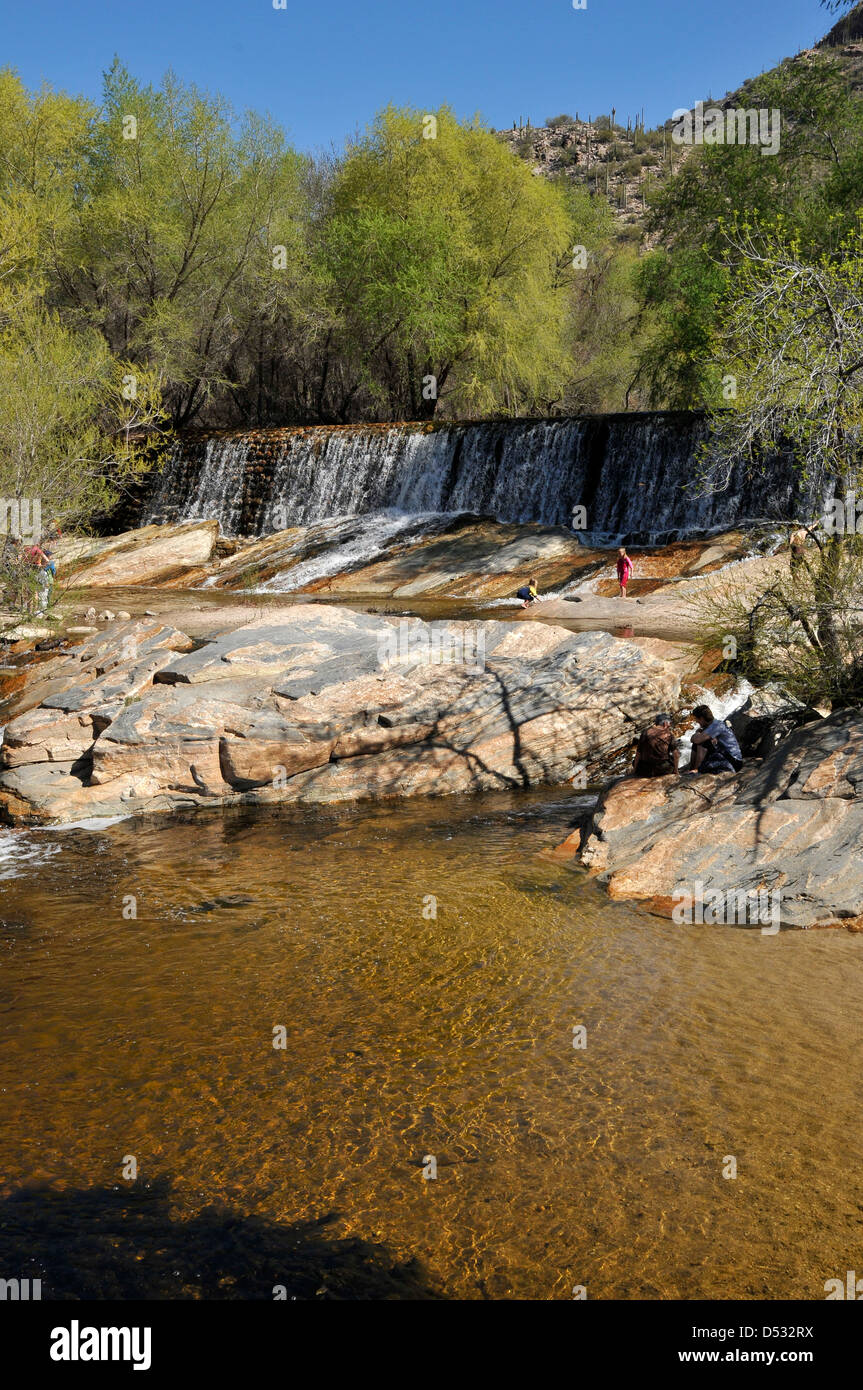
<point x="635" y="476"/>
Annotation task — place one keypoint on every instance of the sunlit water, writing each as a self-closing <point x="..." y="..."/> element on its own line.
<point x="410" y="1037"/>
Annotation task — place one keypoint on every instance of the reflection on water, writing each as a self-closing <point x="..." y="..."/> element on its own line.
<point x="409" y="1035"/>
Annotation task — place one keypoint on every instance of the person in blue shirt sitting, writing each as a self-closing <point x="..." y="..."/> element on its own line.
<point x="714" y="748"/>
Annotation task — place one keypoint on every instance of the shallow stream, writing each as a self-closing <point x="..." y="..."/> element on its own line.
<point x="428" y="972"/>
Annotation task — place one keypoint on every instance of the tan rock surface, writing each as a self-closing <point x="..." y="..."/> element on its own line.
<point x="328" y="705"/>
<point x="150" y="555"/>
<point x="792" y="824"/>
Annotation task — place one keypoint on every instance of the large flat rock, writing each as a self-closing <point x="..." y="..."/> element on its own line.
<point x="790" y="825"/>
<point x="328" y="705"/>
<point x="150" y="555"/>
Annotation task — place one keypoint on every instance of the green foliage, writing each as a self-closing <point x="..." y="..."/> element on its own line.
<point x="602" y="324"/>
<point x="680" y="294"/>
<point x="802" y="629"/>
<point x="813" y="182"/>
<point x="67" y="422"/>
<point x="791" y="335"/>
<point x="445" y="258"/>
<point x="179" y="230"/>
<point x="70" y="411"/>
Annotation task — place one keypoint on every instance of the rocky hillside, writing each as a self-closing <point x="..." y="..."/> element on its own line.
<point x="625" y="163"/>
<point x="846" y="33"/>
<point x="628" y="163"/>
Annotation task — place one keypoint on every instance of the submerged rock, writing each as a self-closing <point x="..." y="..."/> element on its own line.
<point x="328" y="705"/>
<point x="789" y="825"/>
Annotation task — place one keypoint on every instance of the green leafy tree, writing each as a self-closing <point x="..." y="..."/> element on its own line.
<point x="792" y="338"/>
<point x="71" y="417"/>
<point x="602" y="326"/>
<point x="813" y="182"/>
<point x="680" y="293"/>
<point x="447" y="260"/>
<point x="190" y="235"/>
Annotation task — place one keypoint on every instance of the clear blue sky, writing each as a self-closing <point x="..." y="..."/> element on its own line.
<point x="323" y="67"/>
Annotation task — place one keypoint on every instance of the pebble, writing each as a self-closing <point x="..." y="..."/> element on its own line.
<point x="106" y="616"/>
<point x="123" y="616"/>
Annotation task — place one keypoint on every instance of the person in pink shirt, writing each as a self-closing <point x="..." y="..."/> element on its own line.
<point x="624" y="570"/>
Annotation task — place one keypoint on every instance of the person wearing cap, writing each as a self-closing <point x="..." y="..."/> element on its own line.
<point x="657" y="754"/>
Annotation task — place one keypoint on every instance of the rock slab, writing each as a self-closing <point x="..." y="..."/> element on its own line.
<point x="329" y="705"/>
<point x="790" y="825"/>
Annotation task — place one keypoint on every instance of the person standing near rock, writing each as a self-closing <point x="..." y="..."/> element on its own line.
<point x="43" y="562"/>
<point x="797" y="543"/>
<point x="656" y="755"/>
<point x="624" y="570"/>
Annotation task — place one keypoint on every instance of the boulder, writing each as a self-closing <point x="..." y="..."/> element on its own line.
<point x="151" y="555"/>
<point x="789" y="825"/>
<point x="329" y="705"/>
<point x="42" y="736"/>
<point x="768" y="716"/>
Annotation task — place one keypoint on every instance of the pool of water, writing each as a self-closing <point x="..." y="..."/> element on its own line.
<point x="425" y="971"/>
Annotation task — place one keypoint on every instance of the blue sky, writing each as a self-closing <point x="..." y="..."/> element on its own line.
<point x="323" y="67"/>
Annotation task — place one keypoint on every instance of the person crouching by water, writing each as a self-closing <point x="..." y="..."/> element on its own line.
<point x="624" y="570"/>
<point x="656" y="755"/>
<point x="529" y="593"/>
<point x="714" y="748"/>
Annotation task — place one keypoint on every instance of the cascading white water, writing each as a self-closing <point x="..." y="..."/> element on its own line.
<point x="635" y="476"/>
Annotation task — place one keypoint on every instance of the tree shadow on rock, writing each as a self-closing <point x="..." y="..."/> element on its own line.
<point x="110" y="1244"/>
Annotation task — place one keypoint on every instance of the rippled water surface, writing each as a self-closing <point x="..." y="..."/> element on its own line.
<point x="409" y="1037"/>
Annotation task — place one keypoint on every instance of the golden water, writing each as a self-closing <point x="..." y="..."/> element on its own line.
<point x="409" y="1036"/>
